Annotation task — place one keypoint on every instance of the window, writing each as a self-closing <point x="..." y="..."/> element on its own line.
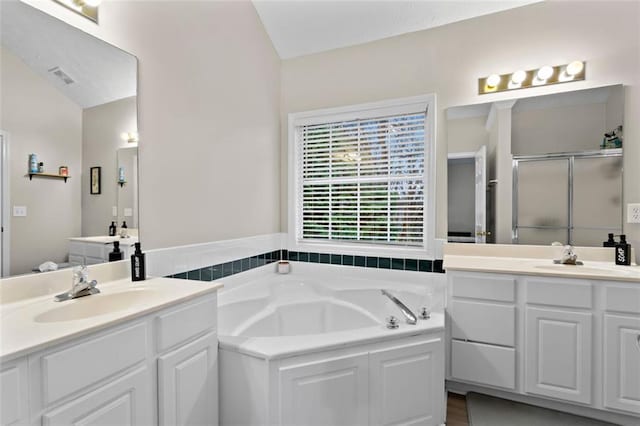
<point x="363" y="175"/>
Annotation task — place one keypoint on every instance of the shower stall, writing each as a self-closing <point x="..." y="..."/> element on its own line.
<point x="572" y="198"/>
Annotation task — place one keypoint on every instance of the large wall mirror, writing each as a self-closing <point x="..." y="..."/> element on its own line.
<point x="70" y="99"/>
<point x="537" y="170"/>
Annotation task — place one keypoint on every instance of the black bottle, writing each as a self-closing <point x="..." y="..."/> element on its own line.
<point x="623" y="251"/>
<point x="124" y="224"/>
<point x="116" y="254"/>
<point x="112" y="229"/>
<point x="137" y="265"/>
<point x="611" y="242"/>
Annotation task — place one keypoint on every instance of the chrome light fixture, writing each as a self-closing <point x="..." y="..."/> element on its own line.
<point x="86" y="8"/>
<point x="543" y="76"/>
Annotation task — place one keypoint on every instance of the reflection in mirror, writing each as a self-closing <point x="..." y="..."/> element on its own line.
<point x="553" y="169"/>
<point x="67" y="97"/>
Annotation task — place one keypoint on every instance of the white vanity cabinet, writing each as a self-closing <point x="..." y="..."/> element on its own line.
<point x="622" y="348"/>
<point x="85" y="251"/>
<point x="160" y="368"/>
<point x="562" y="339"/>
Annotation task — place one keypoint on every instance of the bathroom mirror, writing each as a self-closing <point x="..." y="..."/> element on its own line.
<point x="537" y="170"/>
<point x="69" y="98"/>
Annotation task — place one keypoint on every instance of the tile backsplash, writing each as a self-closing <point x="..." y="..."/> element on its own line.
<point x="221" y="270"/>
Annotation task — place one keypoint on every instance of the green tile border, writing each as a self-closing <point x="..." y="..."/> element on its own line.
<point x="221" y="270"/>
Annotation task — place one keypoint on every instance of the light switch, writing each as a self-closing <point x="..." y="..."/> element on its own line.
<point x="19" y="211"/>
<point x="128" y="212"/>
<point x="114" y="211"/>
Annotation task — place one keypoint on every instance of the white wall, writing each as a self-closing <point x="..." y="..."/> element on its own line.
<point x="467" y="134"/>
<point x="208" y="102"/>
<point x="572" y="128"/>
<point x="448" y="61"/>
<point x="101" y="129"/>
<point x="41" y="120"/>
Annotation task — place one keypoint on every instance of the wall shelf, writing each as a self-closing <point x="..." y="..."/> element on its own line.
<point x="48" y="175"/>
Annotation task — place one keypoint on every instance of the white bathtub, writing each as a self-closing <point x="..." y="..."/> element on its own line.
<point x="312" y="347"/>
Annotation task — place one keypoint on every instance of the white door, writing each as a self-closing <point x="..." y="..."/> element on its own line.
<point x="622" y="363"/>
<point x="558" y="354"/>
<point x="481" y="195"/>
<point x="407" y="385"/>
<point x="188" y="384"/>
<point x="325" y="392"/>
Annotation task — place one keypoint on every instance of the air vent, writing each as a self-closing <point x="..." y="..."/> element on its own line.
<point x="57" y="71"/>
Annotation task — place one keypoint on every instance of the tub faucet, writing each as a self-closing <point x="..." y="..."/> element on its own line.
<point x="81" y="286"/>
<point x="410" y="316"/>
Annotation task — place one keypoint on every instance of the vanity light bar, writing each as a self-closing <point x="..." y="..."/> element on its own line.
<point x="543" y="76"/>
<point x="86" y="8"/>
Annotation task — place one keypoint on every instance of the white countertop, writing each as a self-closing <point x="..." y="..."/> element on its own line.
<point x="31" y="324"/>
<point x="105" y="240"/>
<point x="596" y="270"/>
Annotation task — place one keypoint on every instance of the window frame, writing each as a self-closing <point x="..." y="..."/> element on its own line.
<point x="364" y="111"/>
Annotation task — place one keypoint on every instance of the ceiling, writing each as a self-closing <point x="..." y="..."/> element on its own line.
<point x="302" y="27"/>
<point x="101" y="72"/>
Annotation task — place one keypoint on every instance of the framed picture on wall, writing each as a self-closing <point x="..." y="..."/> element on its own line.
<point x="95" y="180"/>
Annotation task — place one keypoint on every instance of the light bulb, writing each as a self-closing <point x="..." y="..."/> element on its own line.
<point x="493" y="80"/>
<point x="124" y="136"/>
<point x="518" y="77"/>
<point x="574" y="68"/>
<point x="544" y="73"/>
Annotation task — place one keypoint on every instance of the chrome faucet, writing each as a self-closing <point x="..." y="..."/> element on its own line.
<point x="81" y="286"/>
<point x="410" y="316"/>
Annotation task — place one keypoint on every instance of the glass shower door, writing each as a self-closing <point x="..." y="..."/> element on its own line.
<point x="542" y="201"/>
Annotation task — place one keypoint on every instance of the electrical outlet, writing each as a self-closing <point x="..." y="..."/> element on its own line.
<point x="19" y="211"/>
<point x="633" y="213"/>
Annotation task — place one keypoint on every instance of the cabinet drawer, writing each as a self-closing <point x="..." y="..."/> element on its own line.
<point x="483" y="322"/>
<point x="76" y="248"/>
<point x="484" y="364"/>
<point x="622" y="299"/>
<point x="557" y="292"/>
<point x="125" y="401"/>
<point x="186" y="322"/>
<point x="76" y="260"/>
<point x="96" y="250"/>
<point x="483" y="286"/>
<point x="74" y="368"/>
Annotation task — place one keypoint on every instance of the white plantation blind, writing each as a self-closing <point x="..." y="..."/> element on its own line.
<point x="363" y="180"/>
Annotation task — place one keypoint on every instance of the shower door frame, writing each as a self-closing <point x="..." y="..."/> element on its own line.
<point x="570" y="157"/>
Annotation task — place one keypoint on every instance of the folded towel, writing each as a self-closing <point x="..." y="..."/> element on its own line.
<point x="48" y="266"/>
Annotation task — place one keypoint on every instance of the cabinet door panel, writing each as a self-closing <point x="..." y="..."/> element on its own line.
<point x="13" y="393"/>
<point x="187" y="384"/>
<point x="407" y="385"/>
<point x="123" y="402"/>
<point x="558" y="354"/>
<point x="325" y="392"/>
<point x="622" y="363"/>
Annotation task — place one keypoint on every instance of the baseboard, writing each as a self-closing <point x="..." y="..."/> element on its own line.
<point x="605" y="416"/>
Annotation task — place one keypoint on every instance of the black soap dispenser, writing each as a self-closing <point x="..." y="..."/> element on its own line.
<point x="623" y="251"/>
<point x="611" y="242"/>
<point x="112" y="229"/>
<point x="138" y="272"/>
<point x="116" y="254"/>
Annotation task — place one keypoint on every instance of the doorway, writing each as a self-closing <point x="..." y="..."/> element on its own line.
<point x="4" y="204"/>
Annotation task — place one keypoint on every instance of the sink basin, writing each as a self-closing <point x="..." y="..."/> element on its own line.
<point x="92" y="306"/>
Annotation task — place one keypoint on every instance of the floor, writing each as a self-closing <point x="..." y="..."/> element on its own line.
<point x="456" y="410"/>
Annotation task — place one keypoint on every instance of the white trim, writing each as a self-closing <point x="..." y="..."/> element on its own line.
<point x="460" y="155"/>
<point x="360" y="111"/>
<point x="5" y="204"/>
